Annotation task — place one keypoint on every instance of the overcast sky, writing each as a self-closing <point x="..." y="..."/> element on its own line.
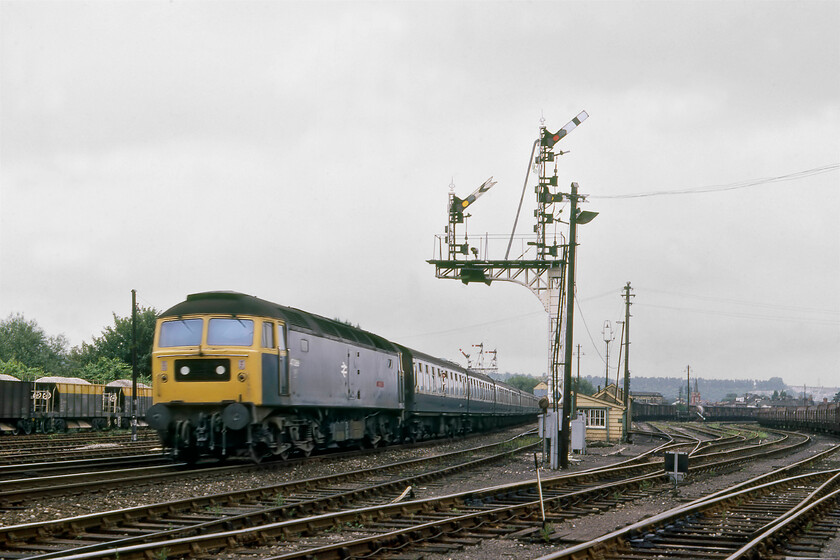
<point x="302" y="152"/>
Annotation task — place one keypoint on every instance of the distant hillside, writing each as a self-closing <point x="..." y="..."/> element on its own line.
<point x="712" y="390"/>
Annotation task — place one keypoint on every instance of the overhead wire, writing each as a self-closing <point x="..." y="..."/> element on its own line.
<point x="728" y="186"/>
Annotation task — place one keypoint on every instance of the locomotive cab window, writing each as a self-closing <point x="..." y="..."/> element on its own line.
<point x="186" y="332"/>
<point x="268" y="335"/>
<point x="230" y="332"/>
<point x="281" y="337"/>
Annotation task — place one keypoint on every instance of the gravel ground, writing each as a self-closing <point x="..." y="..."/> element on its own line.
<point x="593" y="526"/>
<point x="519" y="468"/>
<point x="50" y="508"/>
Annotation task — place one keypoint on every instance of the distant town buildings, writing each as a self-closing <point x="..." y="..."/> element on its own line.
<point x="647" y="397"/>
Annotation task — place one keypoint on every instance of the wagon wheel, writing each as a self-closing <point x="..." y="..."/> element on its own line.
<point x="24" y="426"/>
<point x="60" y="425"/>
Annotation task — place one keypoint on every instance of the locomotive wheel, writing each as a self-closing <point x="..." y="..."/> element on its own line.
<point x="279" y="446"/>
<point x="256" y="455"/>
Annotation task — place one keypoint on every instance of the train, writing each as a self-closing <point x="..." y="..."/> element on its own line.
<point x="59" y="404"/>
<point x="235" y="375"/>
<point x="823" y="417"/>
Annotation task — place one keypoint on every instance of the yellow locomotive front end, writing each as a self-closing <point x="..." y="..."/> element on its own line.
<point x="206" y="359"/>
<point x="209" y="372"/>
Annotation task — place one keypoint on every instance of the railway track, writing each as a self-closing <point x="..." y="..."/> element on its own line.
<point x="257" y="520"/>
<point x="792" y="515"/>
<point x="247" y="507"/>
<point x="12" y="443"/>
<point x="55" y="448"/>
<point x="21" y="485"/>
<point x="33" y="471"/>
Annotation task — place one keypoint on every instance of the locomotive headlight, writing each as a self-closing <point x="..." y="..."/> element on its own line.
<point x="163" y="378"/>
<point x="185" y="370"/>
<point x="220" y="370"/>
<point x="242" y="376"/>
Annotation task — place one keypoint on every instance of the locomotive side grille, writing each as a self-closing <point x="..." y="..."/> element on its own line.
<point x="202" y="370"/>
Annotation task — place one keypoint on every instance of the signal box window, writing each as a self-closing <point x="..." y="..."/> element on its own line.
<point x="268" y="335"/>
<point x="596" y="418"/>
<point x="230" y="332"/>
<point x="186" y="332"/>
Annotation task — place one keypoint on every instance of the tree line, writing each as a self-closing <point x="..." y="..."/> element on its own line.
<point x="28" y="353"/>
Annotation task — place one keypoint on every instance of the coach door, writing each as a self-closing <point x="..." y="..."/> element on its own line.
<point x="275" y="357"/>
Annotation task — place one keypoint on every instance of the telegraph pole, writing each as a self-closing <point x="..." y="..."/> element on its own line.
<point x="570" y="321"/>
<point x="628" y="419"/>
<point x="133" y="365"/>
<point x="577" y="384"/>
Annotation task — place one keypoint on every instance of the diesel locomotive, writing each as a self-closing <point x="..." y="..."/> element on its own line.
<point x="237" y="375"/>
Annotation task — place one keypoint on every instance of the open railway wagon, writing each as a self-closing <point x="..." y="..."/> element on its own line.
<point x="58" y="404"/>
<point x="15" y="404"/>
<point x="824" y="417"/>
<point x="116" y="403"/>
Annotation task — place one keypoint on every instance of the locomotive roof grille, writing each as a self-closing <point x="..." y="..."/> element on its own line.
<point x="296" y="319"/>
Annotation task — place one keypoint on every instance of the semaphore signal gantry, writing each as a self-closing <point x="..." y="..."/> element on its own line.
<point x="545" y="263"/>
<point x="541" y="259"/>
